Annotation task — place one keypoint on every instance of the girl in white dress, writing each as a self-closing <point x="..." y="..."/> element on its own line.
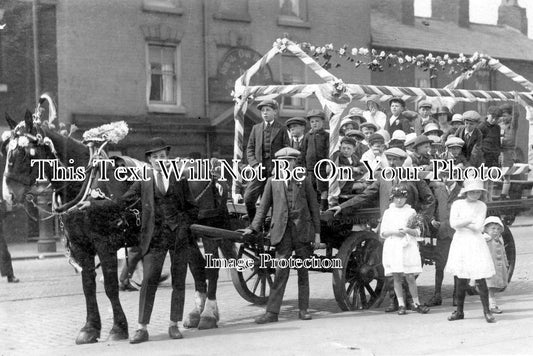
<point x="469" y="256"/>
<point x="401" y="256"/>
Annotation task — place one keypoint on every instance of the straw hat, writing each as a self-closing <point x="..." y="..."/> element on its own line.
<point x="471" y="185"/>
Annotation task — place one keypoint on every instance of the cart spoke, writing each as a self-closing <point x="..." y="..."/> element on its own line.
<point x="256" y="284"/>
<point x="251" y="276"/>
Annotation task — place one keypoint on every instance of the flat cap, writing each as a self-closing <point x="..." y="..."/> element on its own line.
<point x="269" y="102"/>
<point x="348" y="120"/>
<point x="471" y="115"/>
<point x="453" y="141"/>
<point x="355" y="134"/>
<point x="315" y="113"/>
<point x="296" y="121"/>
<point x="396" y="152"/>
<point x="368" y="125"/>
<point x="287" y="153"/>
<point x="420" y="140"/>
<point x="375" y="138"/>
<point x="349" y="140"/>
<point x="425" y="104"/>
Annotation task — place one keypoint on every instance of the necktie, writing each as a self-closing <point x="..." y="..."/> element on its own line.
<point x="159" y="182"/>
<point x="295" y="143"/>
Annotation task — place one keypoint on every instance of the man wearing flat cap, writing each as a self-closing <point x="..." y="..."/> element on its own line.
<point x="265" y="139"/>
<point x="295" y="227"/>
<point x="397" y="121"/>
<point x="424" y="116"/>
<point x="473" y="138"/>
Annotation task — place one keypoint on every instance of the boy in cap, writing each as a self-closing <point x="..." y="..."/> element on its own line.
<point x="454" y="151"/>
<point x="374" y="156"/>
<point x="421" y="148"/>
<point x="397" y="121"/>
<point x="266" y="138"/>
<point x="368" y="129"/>
<point x="472" y="137"/>
<point x="296" y="126"/>
<point x="359" y="137"/>
<point x="316" y="147"/>
<point x="491" y="143"/>
<point x="295" y="227"/>
<point x="346" y="157"/>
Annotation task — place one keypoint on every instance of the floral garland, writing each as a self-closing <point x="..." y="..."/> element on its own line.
<point x="113" y="132"/>
<point x="376" y="61"/>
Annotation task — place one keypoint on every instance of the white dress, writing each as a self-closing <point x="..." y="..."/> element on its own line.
<point x="400" y="253"/>
<point x="469" y="255"/>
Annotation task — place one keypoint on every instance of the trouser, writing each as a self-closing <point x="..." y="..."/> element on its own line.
<point x="441" y="257"/>
<point x="253" y="190"/>
<point x="134" y="256"/>
<point x="283" y="251"/>
<point x="481" y="284"/>
<point x="6" y="268"/>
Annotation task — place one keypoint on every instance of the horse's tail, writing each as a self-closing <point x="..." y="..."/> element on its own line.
<point x="52" y="112"/>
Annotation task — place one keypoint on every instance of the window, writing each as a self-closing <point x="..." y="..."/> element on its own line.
<point x="163" y="78"/>
<point x="293" y="71"/>
<point x="293" y="13"/>
<point x="482" y="82"/>
<point x="163" y="6"/>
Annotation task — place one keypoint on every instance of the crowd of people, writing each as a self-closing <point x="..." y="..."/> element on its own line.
<point x="371" y="139"/>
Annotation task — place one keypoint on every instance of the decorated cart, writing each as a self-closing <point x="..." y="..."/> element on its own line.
<point x="359" y="282"/>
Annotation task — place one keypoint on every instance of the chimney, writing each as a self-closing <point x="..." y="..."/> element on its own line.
<point x="510" y="14"/>
<point x="457" y="11"/>
<point x="401" y="10"/>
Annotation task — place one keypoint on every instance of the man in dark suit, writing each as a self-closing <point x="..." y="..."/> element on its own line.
<point x="446" y="193"/>
<point x="168" y="209"/>
<point x="473" y="138"/>
<point x="265" y="139"/>
<point x="397" y="121"/>
<point x="295" y="225"/>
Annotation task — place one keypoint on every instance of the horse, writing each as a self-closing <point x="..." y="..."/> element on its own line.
<point x="89" y="233"/>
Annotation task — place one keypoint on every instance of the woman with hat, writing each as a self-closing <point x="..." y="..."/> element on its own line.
<point x="469" y="256"/>
<point x="444" y="117"/>
<point x="401" y="256"/>
<point x="374" y="115"/>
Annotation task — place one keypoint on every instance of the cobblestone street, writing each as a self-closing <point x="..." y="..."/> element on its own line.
<point x="45" y="311"/>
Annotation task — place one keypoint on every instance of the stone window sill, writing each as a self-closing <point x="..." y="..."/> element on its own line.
<point x="238" y="17"/>
<point x="167" y="109"/>
<point x="293" y="22"/>
<point x="163" y="9"/>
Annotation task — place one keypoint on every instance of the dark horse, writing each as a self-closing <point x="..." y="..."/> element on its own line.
<point x="95" y="231"/>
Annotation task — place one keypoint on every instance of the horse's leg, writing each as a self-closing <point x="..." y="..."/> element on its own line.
<point x="90" y="332"/>
<point x="197" y="266"/>
<point x="210" y="316"/>
<point x="108" y="259"/>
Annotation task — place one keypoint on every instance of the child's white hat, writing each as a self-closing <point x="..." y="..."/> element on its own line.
<point x="493" y="220"/>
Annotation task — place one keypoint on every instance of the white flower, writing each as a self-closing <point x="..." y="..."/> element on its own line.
<point x="312" y="48"/>
<point x="354" y="51"/>
<point x="23" y="141"/>
<point x="363" y="51"/>
<point x="442" y="63"/>
<point x="446" y="57"/>
<point x="342" y="51"/>
<point x="450" y="61"/>
<point x="375" y="61"/>
<point x="329" y="46"/>
<point x="408" y="58"/>
<point x="400" y="60"/>
<point x="382" y="54"/>
<point x="6" y="135"/>
<point x="430" y="56"/>
<point x="12" y="145"/>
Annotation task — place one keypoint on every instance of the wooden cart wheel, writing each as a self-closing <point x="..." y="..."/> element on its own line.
<point x="358" y="285"/>
<point x="510" y="250"/>
<point x="253" y="284"/>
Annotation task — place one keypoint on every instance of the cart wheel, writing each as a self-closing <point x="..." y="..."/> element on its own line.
<point x="358" y="285"/>
<point x="253" y="284"/>
<point x="510" y="251"/>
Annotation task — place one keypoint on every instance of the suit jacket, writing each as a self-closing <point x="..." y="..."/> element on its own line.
<point x="182" y="210"/>
<point x="401" y="123"/>
<point x="472" y="149"/>
<point x="298" y="200"/>
<point x="279" y="138"/>
<point x="419" y="196"/>
<point x="315" y="147"/>
<point x="443" y="205"/>
<point x="297" y="145"/>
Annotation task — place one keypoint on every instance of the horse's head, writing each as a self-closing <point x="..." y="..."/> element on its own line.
<point x="22" y="144"/>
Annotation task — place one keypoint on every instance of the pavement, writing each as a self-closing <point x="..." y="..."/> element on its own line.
<point x="43" y="314"/>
